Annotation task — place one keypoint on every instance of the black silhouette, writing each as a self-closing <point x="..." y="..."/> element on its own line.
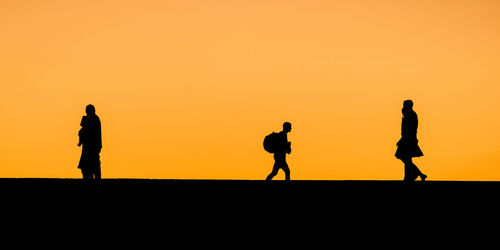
<point x="278" y="144"/>
<point x="408" y="144"/>
<point x="91" y="142"/>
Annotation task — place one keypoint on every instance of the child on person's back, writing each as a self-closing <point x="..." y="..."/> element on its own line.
<point x="81" y="132"/>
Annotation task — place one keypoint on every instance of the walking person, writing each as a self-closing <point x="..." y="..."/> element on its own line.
<point x="280" y="147"/>
<point x="91" y="141"/>
<point x="408" y="144"/>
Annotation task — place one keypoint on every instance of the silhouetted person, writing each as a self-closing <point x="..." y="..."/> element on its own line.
<point x="283" y="147"/>
<point x="91" y="142"/>
<point x="408" y="144"/>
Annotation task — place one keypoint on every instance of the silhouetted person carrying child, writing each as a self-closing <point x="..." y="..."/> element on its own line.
<point x="91" y="142"/>
<point x="408" y="144"/>
<point x="280" y="147"/>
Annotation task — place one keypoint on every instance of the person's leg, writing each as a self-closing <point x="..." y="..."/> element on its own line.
<point x="95" y="162"/>
<point x="418" y="172"/>
<point x="286" y="170"/>
<point x="97" y="173"/>
<point x="276" y="167"/>
<point x="85" y="174"/>
<point x="410" y="172"/>
<point x="273" y="173"/>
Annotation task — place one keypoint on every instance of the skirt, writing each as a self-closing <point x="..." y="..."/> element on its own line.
<point x="90" y="159"/>
<point x="408" y="149"/>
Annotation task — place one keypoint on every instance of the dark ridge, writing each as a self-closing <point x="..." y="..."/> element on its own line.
<point x="235" y="206"/>
<point x="302" y="192"/>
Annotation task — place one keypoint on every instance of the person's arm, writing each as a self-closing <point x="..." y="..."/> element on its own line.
<point x="80" y="141"/>
<point x="99" y="136"/>
<point x="288" y="145"/>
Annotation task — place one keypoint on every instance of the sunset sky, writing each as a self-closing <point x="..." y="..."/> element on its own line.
<point x="189" y="89"/>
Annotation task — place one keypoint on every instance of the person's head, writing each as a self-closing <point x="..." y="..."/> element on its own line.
<point x="407" y="105"/>
<point x="287" y="127"/>
<point x="90" y="110"/>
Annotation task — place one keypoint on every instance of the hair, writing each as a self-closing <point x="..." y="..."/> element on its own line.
<point x="90" y="109"/>
<point x="408" y="104"/>
<point x="287" y="124"/>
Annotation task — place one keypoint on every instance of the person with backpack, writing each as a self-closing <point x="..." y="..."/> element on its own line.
<point x="278" y="144"/>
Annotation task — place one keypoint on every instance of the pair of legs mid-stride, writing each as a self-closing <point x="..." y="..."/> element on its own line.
<point x="411" y="170"/>
<point x="279" y="163"/>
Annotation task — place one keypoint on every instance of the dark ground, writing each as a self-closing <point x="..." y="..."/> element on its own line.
<point x="228" y="208"/>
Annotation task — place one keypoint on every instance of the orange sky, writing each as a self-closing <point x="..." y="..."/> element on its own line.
<point x="189" y="89"/>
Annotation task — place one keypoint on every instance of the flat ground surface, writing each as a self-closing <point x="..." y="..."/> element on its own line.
<point x="298" y="197"/>
<point x="242" y="206"/>
<point x="206" y="194"/>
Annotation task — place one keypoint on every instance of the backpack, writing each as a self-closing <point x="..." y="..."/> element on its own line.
<point x="271" y="142"/>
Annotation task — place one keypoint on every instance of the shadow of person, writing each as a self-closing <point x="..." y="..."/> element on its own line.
<point x="91" y="141"/>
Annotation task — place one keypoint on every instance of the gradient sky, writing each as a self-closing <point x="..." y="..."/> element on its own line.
<point x="189" y="89"/>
